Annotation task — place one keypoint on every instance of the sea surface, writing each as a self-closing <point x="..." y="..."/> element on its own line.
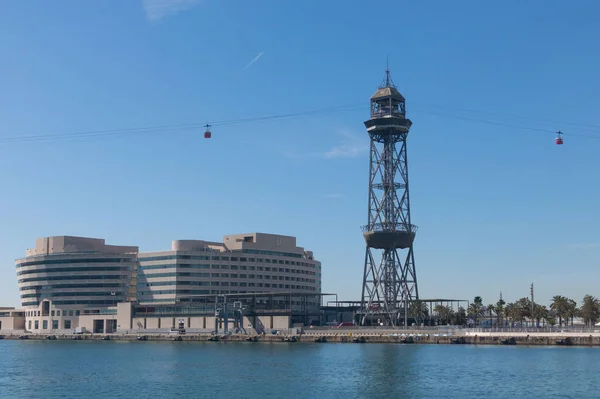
<point x="111" y="369"/>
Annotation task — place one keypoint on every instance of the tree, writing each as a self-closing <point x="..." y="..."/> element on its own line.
<point x="499" y="308"/>
<point x="444" y="314"/>
<point x="590" y="310"/>
<point x="523" y="307"/>
<point x="572" y="310"/>
<point x="475" y="309"/>
<point x="540" y="313"/>
<point x="460" y="316"/>
<point x="512" y="313"/>
<point x="560" y="305"/>
<point x="490" y="309"/>
<point x="418" y="310"/>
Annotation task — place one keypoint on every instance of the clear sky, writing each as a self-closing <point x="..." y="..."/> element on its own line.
<point x="498" y="206"/>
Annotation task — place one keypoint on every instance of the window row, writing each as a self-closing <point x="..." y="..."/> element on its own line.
<point x="68" y="261"/>
<point x="221" y="284"/>
<point x="76" y="269"/>
<point x="62" y="286"/>
<point x="176" y="258"/>
<point x="61" y="294"/>
<point x="225" y="267"/>
<point x="36" y="325"/>
<point x="68" y="312"/>
<point x="145" y="277"/>
<point x="71" y="277"/>
<point x="98" y="302"/>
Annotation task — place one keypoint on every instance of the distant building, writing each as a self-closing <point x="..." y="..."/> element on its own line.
<point x="255" y="262"/>
<point x="72" y="282"/>
<point x="12" y="319"/>
<point x="64" y="277"/>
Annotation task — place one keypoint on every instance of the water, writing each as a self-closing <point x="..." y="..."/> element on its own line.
<point x="110" y="369"/>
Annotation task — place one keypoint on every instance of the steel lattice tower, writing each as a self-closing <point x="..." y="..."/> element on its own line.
<point x="390" y="278"/>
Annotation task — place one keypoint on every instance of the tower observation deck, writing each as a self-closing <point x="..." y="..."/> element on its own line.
<point x="390" y="279"/>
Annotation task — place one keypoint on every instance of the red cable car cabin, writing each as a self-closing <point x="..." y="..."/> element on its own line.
<point x="207" y="133"/>
<point x="559" y="139"/>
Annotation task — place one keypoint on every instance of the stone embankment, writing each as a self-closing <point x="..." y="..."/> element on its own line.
<point x="348" y="336"/>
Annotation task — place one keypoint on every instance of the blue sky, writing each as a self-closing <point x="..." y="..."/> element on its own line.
<point x="498" y="206"/>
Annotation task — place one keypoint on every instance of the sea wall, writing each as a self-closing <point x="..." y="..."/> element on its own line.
<point x="563" y="339"/>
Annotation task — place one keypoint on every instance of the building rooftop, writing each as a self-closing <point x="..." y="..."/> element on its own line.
<point x="70" y="244"/>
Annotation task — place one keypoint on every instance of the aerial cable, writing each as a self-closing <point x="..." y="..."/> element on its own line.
<point x="596" y="128"/>
<point x="231" y="122"/>
<point x="182" y="126"/>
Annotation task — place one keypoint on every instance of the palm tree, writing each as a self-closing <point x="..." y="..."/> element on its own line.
<point x="560" y="306"/>
<point x="590" y="310"/>
<point x="418" y="310"/>
<point x="499" y="308"/>
<point x="490" y="309"/>
<point x="512" y="313"/>
<point x="444" y="313"/>
<point x="475" y="311"/>
<point x="460" y="316"/>
<point x="571" y="310"/>
<point x="539" y="313"/>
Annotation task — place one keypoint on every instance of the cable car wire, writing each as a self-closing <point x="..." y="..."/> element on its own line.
<point x="161" y="128"/>
<point x="595" y="128"/>
<point x="231" y="122"/>
<point x="522" y="127"/>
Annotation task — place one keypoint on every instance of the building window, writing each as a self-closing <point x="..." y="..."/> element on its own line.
<point x="36" y="325"/>
<point x="44" y="324"/>
<point x="58" y="312"/>
<point x="71" y="312"/>
<point x="55" y="324"/>
<point x="52" y="313"/>
<point x="29" y="325"/>
<point x="77" y="312"/>
<point x="67" y="324"/>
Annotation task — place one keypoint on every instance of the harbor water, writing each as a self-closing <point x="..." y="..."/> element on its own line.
<point x="110" y="369"/>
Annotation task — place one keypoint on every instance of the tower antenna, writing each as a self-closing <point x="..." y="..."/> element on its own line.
<point x="387" y="80"/>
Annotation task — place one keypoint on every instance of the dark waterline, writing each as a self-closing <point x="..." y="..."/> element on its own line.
<point x="83" y="369"/>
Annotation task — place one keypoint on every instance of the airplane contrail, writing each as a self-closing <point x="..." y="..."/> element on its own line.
<point x="254" y="59"/>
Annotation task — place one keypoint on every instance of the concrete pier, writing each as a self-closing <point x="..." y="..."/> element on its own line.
<point x="356" y="336"/>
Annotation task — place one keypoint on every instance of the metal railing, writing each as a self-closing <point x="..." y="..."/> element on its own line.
<point x="546" y="329"/>
<point x="389" y="227"/>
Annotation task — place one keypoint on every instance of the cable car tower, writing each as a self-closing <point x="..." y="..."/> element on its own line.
<point x="390" y="279"/>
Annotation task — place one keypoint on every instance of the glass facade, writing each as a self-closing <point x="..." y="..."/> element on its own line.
<point x="173" y="277"/>
<point x="80" y="280"/>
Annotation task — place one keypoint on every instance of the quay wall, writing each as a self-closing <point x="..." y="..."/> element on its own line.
<point x="522" y="339"/>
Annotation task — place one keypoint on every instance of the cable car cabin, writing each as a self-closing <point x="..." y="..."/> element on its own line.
<point x="207" y="133"/>
<point x="559" y="139"/>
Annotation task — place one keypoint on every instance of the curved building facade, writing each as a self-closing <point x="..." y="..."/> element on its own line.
<point x="64" y="277"/>
<point x="255" y="262"/>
